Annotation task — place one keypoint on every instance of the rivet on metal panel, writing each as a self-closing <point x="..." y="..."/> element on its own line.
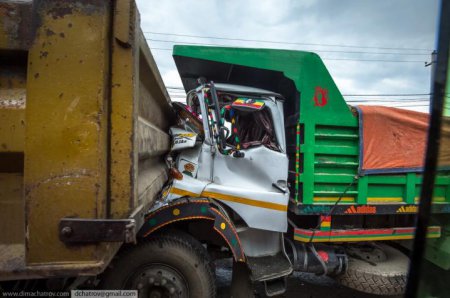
<point x="66" y="231"/>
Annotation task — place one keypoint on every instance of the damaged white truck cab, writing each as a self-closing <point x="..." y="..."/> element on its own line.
<point x="248" y="175"/>
<point x="229" y="151"/>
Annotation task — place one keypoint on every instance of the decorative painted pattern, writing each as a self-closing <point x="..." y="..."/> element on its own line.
<point x="249" y="103"/>
<point x="325" y="223"/>
<point x="354" y="210"/>
<point x="353" y="235"/>
<point x="193" y="210"/>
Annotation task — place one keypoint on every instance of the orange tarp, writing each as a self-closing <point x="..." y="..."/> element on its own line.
<point x="391" y="140"/>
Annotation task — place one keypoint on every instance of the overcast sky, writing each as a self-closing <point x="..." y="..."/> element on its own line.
<point x="372" y="28"/>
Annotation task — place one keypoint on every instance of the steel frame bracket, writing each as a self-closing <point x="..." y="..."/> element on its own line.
<point x="81" y="230"/>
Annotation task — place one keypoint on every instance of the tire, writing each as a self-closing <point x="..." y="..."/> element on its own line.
<point x="384" y="278"/>
<point x="173" y="264"/>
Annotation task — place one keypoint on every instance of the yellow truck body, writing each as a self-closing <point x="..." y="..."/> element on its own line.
<point x="84" y="116"/>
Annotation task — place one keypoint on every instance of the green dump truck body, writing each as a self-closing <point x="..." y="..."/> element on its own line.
<point x="322" y="137"/>
<point x="84" y="117"/>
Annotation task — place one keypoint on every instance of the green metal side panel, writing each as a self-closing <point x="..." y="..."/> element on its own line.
<point x="329" y="133"/>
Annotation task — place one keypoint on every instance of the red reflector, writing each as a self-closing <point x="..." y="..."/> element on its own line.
<point x="323" y="255"/>
<point x="174" y="173"/>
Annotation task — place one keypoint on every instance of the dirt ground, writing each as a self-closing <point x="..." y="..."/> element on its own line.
<point x="299" y="285"/>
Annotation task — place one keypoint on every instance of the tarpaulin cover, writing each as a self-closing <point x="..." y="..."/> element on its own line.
<point x="391" y="140"/>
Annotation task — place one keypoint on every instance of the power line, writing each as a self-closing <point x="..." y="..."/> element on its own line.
<point x="398" y="94"/>
<point x="396" y="105"/>
<point x="412" y="104"/>
<point x="286" y="42"/>
<point x="372" y="60"/>
<point x="355" y="101"/>
<point x="387" y="94"/>
<point x="409" y="102"/>
<point x="405" y="100"/>
<point x="322" y="51"/>
<point x="337" y="59"/>
<point x="374" y="100"/>
<point x="417" y="106"/>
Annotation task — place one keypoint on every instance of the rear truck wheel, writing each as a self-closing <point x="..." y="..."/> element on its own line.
<point x="173" y="264"/>
<point x="376" y="269"/>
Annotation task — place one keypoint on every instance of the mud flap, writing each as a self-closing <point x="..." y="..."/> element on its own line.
<point x="241" y="284"/>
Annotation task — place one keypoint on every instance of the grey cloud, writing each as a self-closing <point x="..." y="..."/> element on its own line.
<point x="383" y="23"/>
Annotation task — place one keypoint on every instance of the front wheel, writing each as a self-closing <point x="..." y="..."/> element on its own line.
<point x="173" y="264"/>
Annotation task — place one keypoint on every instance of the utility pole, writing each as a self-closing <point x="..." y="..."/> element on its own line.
<point x="432" y="63"/>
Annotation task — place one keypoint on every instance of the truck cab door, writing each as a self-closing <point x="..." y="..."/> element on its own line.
<point x="252" y="180"/>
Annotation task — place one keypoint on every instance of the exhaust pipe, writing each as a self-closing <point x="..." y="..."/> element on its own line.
<point x="320" y="259"/>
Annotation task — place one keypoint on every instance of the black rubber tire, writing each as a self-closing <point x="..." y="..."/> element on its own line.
<point x="173" y="248"/>
<point x="386" y="278"/>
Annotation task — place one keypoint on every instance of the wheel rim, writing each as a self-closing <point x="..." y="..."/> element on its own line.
<point x="159" y="281"/>
<point x="369" y="253"/>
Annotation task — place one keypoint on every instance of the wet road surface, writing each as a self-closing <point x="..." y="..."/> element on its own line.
<point x="299" y="285"/>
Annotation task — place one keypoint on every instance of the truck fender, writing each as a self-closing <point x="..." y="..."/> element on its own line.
<point x="193" y="209"/>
